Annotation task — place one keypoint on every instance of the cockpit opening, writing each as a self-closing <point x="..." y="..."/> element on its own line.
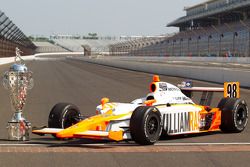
<point x="150" y="98"/>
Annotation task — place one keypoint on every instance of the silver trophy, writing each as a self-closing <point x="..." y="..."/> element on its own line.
<point x="18" y="80"/>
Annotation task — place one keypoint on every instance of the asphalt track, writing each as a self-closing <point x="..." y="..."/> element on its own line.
<point x="84" y="84"/>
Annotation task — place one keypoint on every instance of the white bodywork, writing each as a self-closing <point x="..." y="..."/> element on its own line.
<point x="164" y="94"/>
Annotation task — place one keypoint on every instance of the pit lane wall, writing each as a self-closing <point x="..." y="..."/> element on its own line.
<point x="205" y="73"/>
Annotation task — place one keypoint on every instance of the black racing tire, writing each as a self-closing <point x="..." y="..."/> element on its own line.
<point x="222" y="103"/>
<point x="234" y="115"/>
<point x="145" y="125"/>
<point x="63" y="115"/>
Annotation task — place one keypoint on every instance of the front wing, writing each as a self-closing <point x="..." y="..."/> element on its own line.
<point x="91" y="134"/>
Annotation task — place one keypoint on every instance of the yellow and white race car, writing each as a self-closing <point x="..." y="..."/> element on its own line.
<point x="166" y="110"/>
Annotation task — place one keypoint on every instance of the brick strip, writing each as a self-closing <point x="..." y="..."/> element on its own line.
<point x="124" y="149"/>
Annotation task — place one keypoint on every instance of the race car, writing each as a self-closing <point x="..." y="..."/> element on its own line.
<point x="166" y="110"/>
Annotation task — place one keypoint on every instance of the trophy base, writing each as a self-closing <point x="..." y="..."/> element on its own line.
<point x="18" y="129"/>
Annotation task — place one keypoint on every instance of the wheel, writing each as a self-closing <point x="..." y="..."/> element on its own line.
<point x="222" y="103"/>
<point x="145" y="125"/>
<point x="63" y="115"/>
<point x="234" y="114"/>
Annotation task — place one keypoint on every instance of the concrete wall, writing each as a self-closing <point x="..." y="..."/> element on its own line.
<point x="212" y="74"/>
<point x="240" y="60"/>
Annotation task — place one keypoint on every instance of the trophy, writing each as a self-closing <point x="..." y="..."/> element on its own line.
<point x="18" y="80"/>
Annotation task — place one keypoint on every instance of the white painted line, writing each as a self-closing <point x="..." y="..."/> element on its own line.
<point x="23" y="144"/>
<point x="201" y="144"/>
<point x="128" y="144"/>
<point x="63" y="144"/>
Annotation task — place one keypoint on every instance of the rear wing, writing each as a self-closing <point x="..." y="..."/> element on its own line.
<point x="230" y="89"/>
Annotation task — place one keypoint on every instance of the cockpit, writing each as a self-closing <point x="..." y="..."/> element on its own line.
<point x="164" y="93"/>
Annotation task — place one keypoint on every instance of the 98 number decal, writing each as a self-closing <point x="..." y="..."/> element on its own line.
<point x="232" y="89"/>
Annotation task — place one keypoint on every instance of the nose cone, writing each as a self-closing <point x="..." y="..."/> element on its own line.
<point x="18" y="68"/>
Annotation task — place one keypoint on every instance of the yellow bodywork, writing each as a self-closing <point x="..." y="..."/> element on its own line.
<point x="96" y="124"/>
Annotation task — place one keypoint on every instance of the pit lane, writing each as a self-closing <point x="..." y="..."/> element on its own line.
<point x="84" y="84"/>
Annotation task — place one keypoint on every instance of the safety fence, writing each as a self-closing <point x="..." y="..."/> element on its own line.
<point x="11" y="37"/>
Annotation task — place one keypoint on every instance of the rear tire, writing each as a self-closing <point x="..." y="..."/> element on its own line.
<point x="145" y="125"/>
<point x="63" y="115"/>
<point x="234" y="115"/>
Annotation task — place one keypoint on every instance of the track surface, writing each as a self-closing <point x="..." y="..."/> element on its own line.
<point x="85" y="84"/>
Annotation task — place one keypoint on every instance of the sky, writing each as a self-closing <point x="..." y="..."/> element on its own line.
<point x="104" y="17"/>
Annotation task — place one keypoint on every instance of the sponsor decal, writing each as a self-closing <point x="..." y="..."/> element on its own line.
<point x="188" y="84"/>
<point x="181" y="98"/>
<point x="173" y="89"/>
<point x="181" y="122"/>
<point x="163" y="86"/>
<point x="177" y="98"/>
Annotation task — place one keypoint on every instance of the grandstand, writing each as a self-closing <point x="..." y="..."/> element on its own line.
<point x="212" y="28"/>
<point x="137" y="46"/>
<point x="11" y="37"/>
<point x="47" y="47"/>
<point x="97" y="45"/>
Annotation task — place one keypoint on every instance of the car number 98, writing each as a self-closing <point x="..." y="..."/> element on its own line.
<point x="232" y="89"/>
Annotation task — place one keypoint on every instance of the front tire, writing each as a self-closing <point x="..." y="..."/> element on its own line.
<point x="234" y="115"/>
<point x="145" y="125"/>
<point x="63" y="115"/>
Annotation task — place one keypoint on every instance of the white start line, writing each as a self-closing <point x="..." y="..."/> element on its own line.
<point x="128" y="144"/>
